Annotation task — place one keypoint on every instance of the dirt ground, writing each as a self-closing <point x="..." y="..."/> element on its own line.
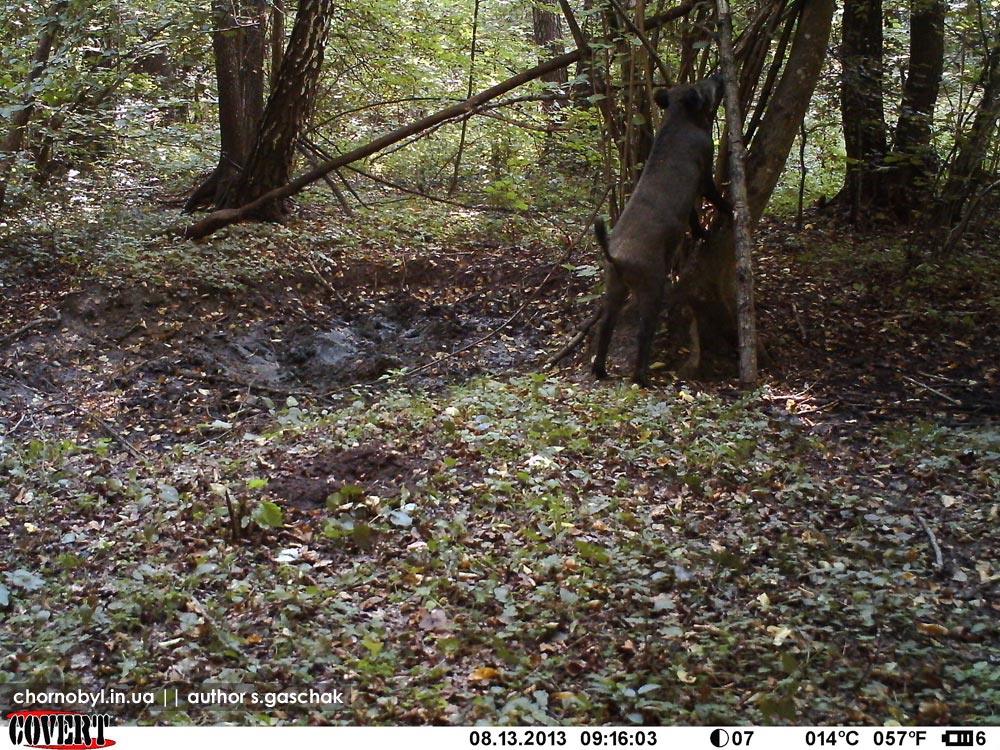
<point x="862" y="341"/>
<point x="862" y="345"/>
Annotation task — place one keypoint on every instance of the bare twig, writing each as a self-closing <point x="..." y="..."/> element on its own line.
<point x="234" y="521"/>
<point x="585" y="329"/>
<point x="650" y="49"/>
<point x="935" y="391"/>
<point x="210" y="377"/>
<point x="577" y="338"/>
<point x="938" y="558"/>
<point x="103" y="424"/>
<point x="959" y="229"/>
<point x="4" y="340"/>
<point x="322" y="280"/>
<point x="798" y="320"/>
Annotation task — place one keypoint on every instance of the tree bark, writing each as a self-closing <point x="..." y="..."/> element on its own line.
<point x="704" y="298"/>
<point x="277" y="40"/>
<point x="920" y="91"/>
<point x="238" y="44"/>
<point x="548" y="36"/>
<point x="780" y="124"/>
<point x="286" y="113"/>
<point x="913" y="161"/>
<point x="862" y="103"/>
<point x="746" y="314"/>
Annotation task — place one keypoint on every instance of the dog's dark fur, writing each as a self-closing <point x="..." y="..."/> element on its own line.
<point x="676" y="176"/>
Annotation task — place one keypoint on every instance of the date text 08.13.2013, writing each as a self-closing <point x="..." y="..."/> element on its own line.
<point x="542" y="738"/>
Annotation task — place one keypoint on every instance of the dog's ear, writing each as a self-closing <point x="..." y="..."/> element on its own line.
<point x="709" y="93"/>
<point x="719" y="84"/>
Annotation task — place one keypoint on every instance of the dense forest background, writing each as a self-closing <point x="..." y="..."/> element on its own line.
<point x="293" y="391"/>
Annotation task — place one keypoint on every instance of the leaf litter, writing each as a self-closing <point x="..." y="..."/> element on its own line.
<point x="189" y="498"/>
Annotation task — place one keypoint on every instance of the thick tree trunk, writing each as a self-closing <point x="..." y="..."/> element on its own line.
<point x="14" y="140"/>
<point x="704" y="300"/>
<point x="548" y="36"/>
<point x="899" y="180"/>
<point x="238" y="44"/>
<point x="862" y="103"/>
<point x="920" y="92"/>
<point x="287" y="111"/>
<point x="914" y="161"/>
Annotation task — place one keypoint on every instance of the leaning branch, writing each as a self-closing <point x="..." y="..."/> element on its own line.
<point x="223" y="218"/>
<point x="220" y="219"/>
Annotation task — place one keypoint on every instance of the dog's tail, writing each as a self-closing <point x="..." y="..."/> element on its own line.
<point x="601" y="231"/>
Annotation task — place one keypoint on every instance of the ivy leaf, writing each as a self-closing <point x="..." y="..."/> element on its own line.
<point x="268" y="515"/>
<point x="25" y="579"/>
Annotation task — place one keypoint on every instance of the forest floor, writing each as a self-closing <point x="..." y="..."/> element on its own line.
<point x="329" y="454"/>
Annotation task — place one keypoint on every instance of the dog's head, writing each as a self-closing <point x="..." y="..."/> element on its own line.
<point x="697" y="100"/>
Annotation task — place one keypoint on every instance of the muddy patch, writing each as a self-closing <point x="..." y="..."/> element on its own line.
<point x="365" y="470"/>
<point x="165" y="364"/>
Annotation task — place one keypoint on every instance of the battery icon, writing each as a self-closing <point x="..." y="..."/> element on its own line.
<point x="958" y="738"/>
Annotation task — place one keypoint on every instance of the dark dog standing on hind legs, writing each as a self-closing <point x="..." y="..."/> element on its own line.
<point x="651" y="228"/>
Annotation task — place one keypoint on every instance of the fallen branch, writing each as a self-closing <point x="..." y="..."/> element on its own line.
<point x="938" y="558"/>
<point x="582" y="333"/>
<point x="103" y="424"/>
<point x="4" y="340"/>
<point x="322" y="280"/>
<point x="210" y="377"/>
<point x="935" y="391"/>
<point x="575" y="341"/>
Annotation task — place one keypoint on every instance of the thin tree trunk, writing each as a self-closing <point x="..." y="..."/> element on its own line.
<point x="453" y="186"/>
<point x="745" y="312"/>
<point x="920" y="92"/>
<point x="277" y="41"/>
<point x="19" y="120"/>
<point x="910" y="184"/>
<point x="964" y="175"/>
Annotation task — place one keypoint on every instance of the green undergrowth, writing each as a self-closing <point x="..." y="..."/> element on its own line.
<point x="118" y="236"/>
<point x="537" y="552"/>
